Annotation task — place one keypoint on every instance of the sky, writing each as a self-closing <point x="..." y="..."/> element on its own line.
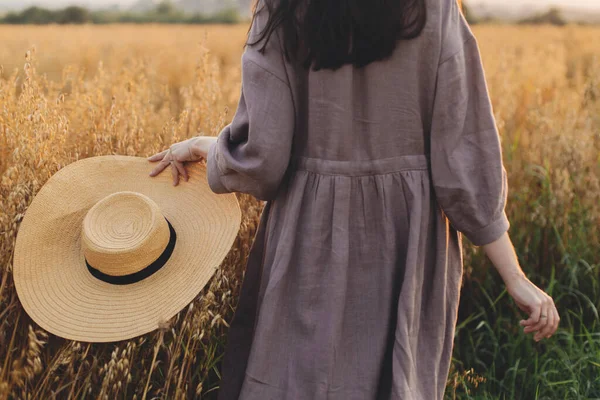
<point x="575" y="3"/>
<point x="587" y="4"/>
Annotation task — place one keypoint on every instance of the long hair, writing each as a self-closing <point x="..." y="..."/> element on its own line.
<point x="327" y="34"/>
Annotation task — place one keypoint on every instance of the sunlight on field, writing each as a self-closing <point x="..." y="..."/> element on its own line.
<point x="171" y="51"/>
<point x="73" y="92"/>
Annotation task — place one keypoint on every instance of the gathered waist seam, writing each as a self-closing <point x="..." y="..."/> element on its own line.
<point x="360" y="167"/>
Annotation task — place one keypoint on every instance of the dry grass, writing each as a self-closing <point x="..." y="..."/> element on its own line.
<point x="75" y="92"/>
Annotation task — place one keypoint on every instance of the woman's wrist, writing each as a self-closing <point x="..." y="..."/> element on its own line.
<point x="502" y="254"/>
<point x="201" y="145"/>
<point x="513" y="276"/>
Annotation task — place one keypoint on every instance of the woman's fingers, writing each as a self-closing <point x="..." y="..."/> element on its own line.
<point x="555" y="319"/>
<point x="182" y="170"/>
<point x="540" y="326"/>
<point x="178" y="169"/>
<point x="158" y="156"/>
<point x="541" y="322"/>
<point x="175" y="174"/>
<point x="176" y="155"/>
<point x="534" y="316"/>
<point x="551" y="322"/>
<point x="160" y="167"/>
<point x="547" y="324"/>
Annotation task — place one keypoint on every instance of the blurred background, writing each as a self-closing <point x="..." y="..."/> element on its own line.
<point x="197" y="11"/>
<point x="96" y="77"/>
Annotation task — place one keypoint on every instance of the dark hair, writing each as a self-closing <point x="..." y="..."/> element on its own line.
<point x="327" y="34"/>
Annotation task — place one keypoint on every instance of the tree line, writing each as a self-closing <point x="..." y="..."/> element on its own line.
<point x="554" y="16"/>
<point x="166" y="12"/>
<point x="163" y="13"/>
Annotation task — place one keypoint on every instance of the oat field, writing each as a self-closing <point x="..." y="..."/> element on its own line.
<point x="73" y="92"/>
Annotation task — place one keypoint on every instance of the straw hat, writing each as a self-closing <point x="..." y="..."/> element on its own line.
<point x="105" y="252"/>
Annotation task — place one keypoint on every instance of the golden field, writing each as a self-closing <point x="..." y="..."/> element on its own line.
<point x="73" y="92"/>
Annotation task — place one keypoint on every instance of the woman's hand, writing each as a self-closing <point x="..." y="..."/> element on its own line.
<point x="191" y="150"/>
<point x="543" y="316"/>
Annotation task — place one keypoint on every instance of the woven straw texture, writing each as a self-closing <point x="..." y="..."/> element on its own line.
<point x="52" y="280"/>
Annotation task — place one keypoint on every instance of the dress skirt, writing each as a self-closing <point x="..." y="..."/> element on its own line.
<point x="351" y="288"/>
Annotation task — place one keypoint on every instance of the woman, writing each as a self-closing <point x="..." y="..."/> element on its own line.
<point x="368" y="129"/>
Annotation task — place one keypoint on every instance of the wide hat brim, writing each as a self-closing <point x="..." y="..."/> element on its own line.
<point x="51" y="278"/>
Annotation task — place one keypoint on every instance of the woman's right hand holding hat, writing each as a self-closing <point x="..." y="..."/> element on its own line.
<point x="190" y="150"/>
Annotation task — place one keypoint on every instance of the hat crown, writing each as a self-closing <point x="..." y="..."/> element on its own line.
<point x="124" y="233"/>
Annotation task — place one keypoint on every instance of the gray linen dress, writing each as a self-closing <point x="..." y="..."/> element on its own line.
<point x="371" y="177"/>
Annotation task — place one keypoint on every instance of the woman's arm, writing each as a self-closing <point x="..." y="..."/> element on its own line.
<point x="502" y="254"/>
<point x="543" y="316"/>
<point x="468" y="173"/>
<point x="252" y="153"/>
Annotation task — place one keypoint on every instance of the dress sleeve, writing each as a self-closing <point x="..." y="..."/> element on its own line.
<point x="252" y="153"/>
<point x="468" y="174"/>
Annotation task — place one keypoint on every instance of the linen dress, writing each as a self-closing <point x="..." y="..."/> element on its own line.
<point x="371" y="176"/>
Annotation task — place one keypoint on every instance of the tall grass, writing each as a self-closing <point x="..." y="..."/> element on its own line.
<point x="73" y="92"/>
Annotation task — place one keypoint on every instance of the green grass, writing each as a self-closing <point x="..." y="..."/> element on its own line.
<point x="509" y="363"/>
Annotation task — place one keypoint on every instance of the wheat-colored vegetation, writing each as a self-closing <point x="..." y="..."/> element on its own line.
<point x="73" y="92"/>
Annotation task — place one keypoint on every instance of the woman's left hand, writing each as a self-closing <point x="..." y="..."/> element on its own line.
<point x="191" y="150"/>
